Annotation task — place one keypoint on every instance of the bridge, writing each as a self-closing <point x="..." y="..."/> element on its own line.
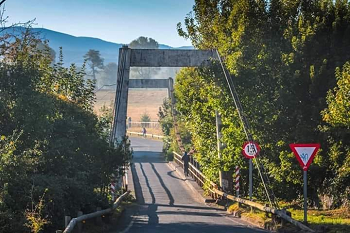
<point x="165" y="201"/>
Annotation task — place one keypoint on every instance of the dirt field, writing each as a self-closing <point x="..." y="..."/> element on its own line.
<point x="140" y="101"/>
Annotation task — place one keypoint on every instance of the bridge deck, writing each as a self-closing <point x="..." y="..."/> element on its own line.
<point x="165" y="203"/>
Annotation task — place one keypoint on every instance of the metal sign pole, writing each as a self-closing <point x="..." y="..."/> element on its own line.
<point x="250" y="179"/>
<point x="219" y="136"/>
<point x="305" y="196"/>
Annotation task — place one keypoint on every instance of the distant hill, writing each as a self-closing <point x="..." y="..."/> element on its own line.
<point x="74" y="48"/>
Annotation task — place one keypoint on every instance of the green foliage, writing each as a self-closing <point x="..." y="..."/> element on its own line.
<point x="143" y="72"/>
<point x="166" y="121"/>
<point x="51" y="141"/>
<point x="94" y="60"/>
<point x="145" y="118"/>
<point x="282" y="56"/>
<point x="143" y="43"/>
<point x="336" y="115"/>
<point x="109" y="75"/>
<point x="338" y="111"/>
<point x="165" y="117"/>
<point x="34" y="216"/>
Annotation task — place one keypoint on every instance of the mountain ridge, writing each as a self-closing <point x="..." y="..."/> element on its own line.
<point x="75" y="47"/>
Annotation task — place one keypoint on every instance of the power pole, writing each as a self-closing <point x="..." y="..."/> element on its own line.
<point x="219" y="138"/>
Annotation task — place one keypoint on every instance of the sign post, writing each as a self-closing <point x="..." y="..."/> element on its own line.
<point x="305" y="153"/>
<point x="250" y="150"/>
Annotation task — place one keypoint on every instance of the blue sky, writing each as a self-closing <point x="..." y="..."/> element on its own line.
<point x="112" y="20"/>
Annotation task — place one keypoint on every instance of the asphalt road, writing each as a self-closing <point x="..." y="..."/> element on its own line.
<point x="165" y="203"/>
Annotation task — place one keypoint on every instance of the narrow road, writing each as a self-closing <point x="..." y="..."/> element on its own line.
<point x="165" y="203"/>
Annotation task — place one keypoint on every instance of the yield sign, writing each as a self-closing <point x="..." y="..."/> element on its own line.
<point x="305" y="153"/>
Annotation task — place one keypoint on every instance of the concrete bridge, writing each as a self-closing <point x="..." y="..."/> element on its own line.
<point x="165" y="201"/>
<point x="148" y="58"/>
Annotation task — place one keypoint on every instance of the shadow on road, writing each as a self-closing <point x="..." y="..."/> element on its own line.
<point x="171" y="198"/>
<point x="170" y="173"/>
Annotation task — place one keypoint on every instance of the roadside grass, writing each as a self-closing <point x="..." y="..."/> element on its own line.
<point x="109" y="221"/>
<point x="339" y="216"/>
<point x="331" y="221"/>
<point x="254" y="216"/>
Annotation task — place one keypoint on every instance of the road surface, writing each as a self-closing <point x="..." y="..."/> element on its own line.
<point x="165" y="203"/>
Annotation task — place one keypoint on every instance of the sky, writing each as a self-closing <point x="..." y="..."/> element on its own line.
<point x="118" y="21"/>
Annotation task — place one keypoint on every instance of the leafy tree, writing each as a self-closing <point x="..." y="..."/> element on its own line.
<point x="338" y="111"/>
<point x="282" y="56"/>
<point x="336" y="115"/>
<point x="94" y="61"/>
<point x="51" y="141"/>
<point x="145" y="118"/>
<point x="109" y="75"/>
<point x="143" y="43"/>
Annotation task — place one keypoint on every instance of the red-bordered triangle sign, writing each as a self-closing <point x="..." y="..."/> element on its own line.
<point x="305" y="153"/>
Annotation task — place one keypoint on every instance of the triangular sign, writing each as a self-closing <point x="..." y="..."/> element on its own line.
<point x="305" y="153"/>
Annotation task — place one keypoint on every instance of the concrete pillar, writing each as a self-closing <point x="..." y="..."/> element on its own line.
<point x="121" y="100"/>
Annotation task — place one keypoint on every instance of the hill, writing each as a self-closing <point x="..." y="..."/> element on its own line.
<point x="74" y="48"/>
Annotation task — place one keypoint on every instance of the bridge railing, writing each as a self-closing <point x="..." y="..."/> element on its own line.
<point x="201" y="180"/>
<point x="196" y="174"/>
<point x="96" y="214"/>
<point x="147" y="135"/>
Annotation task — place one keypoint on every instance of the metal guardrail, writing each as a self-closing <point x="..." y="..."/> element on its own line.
<point x="74" y="221"/>
<point x="201" y="179"/>
<point x="147" y="135"/>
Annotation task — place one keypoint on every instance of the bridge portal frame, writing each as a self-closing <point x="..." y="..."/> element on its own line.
<point x="148" y="58"/>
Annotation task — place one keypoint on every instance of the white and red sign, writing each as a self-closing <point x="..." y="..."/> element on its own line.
<point x="251" y="149"/>
<point x="305" y="153"/>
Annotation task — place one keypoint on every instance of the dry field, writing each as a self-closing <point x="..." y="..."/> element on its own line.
<point x="140" y="101"/>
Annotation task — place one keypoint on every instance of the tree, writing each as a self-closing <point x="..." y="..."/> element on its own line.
<point x="109" y="76"/>
<point x="95" y="61"/>
<point x="145" y="118"/>
<point x="51" y="141"/>
<point x="337" y="129"/>
<point x="282" y="56"/>
<point x="144" y="43"/>
<point x="338" y="112"/>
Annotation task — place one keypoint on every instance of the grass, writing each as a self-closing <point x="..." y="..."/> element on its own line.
<point x="332" y="221"/>
<point x="109" y="221"/>
<point x="254" y="216"/>
<point x="339" y="216"/>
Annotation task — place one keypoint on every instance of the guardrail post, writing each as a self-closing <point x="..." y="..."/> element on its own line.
<point x="66" y="220"/>
<point x="80" y="224"/>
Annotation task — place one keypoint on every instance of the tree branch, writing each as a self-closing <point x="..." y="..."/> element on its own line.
<point x="2" y="2"/>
